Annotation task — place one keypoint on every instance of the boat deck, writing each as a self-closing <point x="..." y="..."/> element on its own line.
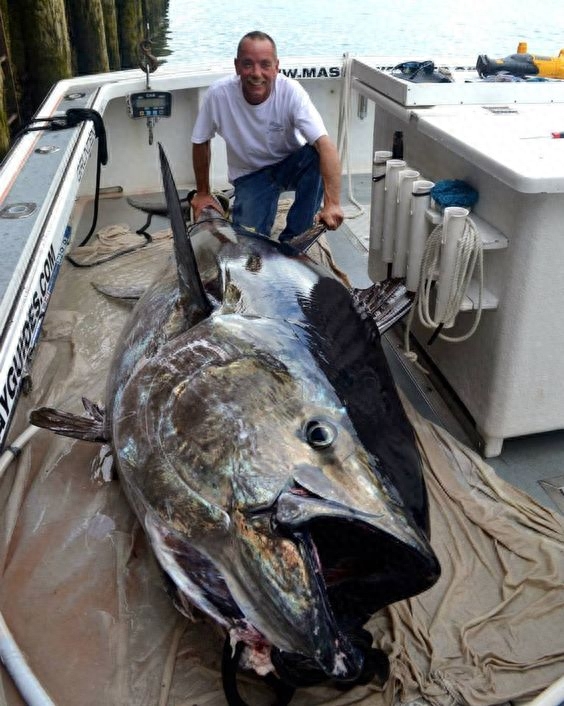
<point x="83" y="595"/>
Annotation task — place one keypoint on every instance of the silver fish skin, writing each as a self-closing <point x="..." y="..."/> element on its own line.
<point x="211" y="423"/>
<point x="259" y="437"/>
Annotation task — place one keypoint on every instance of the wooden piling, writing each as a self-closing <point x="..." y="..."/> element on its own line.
<point x="111" y="31"/>
<point x="154" y="13"/>
<point x="49" y="40"/>
<point x="14" y="40"/>
<point x="88" y="35"/>
<point x="45" y="36"/>
<point x="4" y="127"/>
<point x="131" y="31"/>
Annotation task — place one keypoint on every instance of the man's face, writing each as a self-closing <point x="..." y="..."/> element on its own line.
<point x="257" y="66"/>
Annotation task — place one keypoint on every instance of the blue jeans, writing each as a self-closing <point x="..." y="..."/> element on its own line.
<point x="257" y="194"/>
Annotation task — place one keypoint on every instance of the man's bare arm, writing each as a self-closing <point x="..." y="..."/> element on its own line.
<point x="201" y="160"/>
<point x="331" y="212"/>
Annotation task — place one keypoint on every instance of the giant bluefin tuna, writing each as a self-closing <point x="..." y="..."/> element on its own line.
<point x="259" y="437"/>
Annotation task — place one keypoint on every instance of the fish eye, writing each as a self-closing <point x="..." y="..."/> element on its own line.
<point x="320" y="434"/>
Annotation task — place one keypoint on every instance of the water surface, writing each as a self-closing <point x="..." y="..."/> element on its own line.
<point x="199" y="31"/>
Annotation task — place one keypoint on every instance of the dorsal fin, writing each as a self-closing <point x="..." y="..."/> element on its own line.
<point x="192" y="293"/>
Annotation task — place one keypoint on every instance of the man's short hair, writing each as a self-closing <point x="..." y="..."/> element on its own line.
<point x="256" y="35"/>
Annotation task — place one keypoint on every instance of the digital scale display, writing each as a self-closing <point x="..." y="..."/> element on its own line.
<point x="150" y="104"/>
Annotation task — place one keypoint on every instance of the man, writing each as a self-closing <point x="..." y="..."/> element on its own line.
<point x="276" y="141"/>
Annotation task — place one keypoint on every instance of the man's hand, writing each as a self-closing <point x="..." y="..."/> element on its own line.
<point x="204" y="200"/>
<point x="331" y="215"/>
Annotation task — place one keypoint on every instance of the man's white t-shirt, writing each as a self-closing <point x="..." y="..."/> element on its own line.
<point x="258" y="135"/>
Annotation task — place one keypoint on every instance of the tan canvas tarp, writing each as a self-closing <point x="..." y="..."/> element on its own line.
<point x="84" y="598"/>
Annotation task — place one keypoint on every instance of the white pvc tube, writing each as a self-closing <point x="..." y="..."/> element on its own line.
<point x="30" y="689"/>
<point x="453" y="228"/>
<point x="553" y="695"/>
<point x="405" y="187"/>
<point x="8" y="456"/>
<point x="418" y="231"/>
<point x="10" y="654"/>
<point x="393" y="168"/>
<point x="376" y="266"/>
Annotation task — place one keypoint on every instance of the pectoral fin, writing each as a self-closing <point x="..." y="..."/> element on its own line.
<point x="89" y="427"/>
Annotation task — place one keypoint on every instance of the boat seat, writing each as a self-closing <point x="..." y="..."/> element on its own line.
<point x="157" y="207"/>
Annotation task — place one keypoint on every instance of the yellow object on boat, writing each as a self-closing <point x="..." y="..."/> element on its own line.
<point x="523" y="64"/>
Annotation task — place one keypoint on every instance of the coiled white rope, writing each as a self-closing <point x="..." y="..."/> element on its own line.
<point x="343" y="131"/>
<point x="469" y="255"/>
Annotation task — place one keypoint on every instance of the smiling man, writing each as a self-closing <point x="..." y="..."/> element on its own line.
<point x="276" y="141"/>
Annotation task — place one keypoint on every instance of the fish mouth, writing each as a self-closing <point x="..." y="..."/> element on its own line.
<point x="336" y="656"/>
<point x="359" y="567"/>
